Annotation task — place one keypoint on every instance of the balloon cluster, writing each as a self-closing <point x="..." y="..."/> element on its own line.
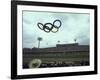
<point x="53" y="27"/>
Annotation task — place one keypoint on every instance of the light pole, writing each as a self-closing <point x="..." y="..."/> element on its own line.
<point x="39" y="39"/>
<point x="75" y="40"/>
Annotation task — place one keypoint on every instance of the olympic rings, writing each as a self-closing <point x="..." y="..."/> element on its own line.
<point x="47" y="27"/>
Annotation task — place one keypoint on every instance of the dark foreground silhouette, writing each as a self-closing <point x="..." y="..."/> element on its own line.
<point x="48" y="65"/>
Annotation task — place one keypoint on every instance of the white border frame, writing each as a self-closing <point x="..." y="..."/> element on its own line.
<point x="21" y="71"/>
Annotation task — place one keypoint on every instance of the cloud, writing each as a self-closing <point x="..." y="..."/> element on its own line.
<point x="74" y="26"/>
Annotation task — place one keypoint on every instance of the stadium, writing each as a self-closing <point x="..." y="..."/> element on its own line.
<point x="63" y="55"/>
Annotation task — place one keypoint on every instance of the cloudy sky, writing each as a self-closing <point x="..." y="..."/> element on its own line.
<point x="74" y="26"/>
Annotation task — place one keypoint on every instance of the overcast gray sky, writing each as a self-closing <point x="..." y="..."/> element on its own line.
<point x="74" y="26"/>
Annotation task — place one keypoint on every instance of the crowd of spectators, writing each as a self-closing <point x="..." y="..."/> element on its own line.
<point x="61" y="64"/>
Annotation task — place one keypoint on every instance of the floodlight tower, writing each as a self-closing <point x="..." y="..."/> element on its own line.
<point x="39" y="39"/>
<point x="75" y="40"/>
